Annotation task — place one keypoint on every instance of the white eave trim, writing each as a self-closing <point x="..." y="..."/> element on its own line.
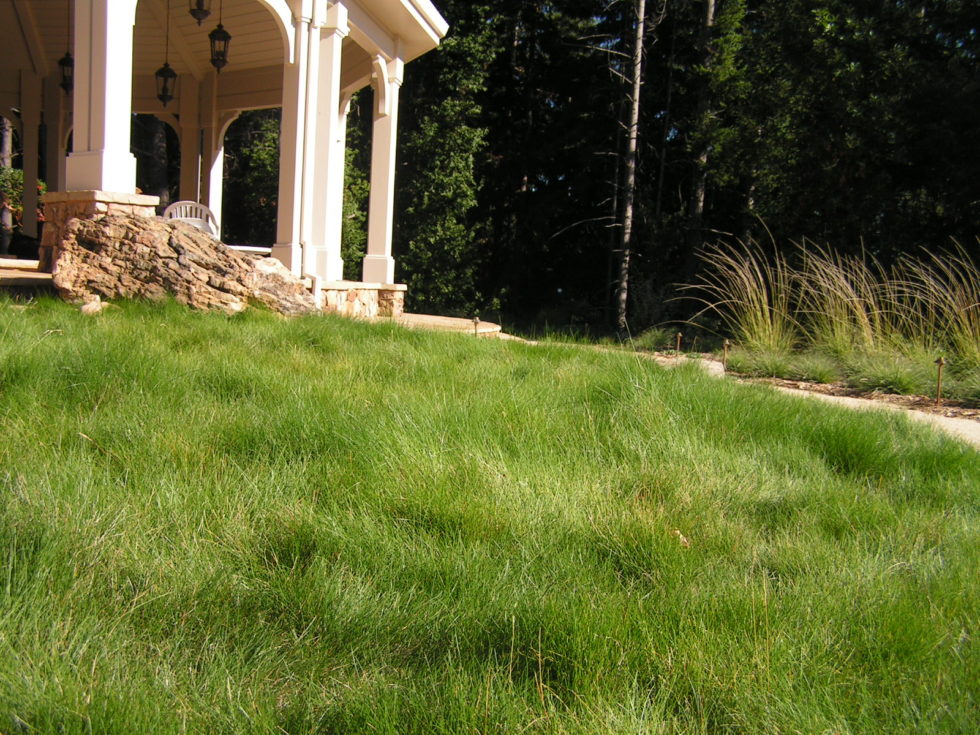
<point x="432" y="17"/>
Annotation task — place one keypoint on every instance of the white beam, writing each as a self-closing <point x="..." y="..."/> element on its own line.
<point x="369" y="34"/>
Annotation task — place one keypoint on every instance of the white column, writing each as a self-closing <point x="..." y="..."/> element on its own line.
<point x="30" y="93"/>
<point x="100" y="159"/>
<point x="292" y="142"/>
<point x="379" y="266"/>
<point x="190" y="139"/>
<point x="212" y="196"/>
<point x="54" y="140"/>
<point x="326" y="205"/>
<point x="307" y="188"/>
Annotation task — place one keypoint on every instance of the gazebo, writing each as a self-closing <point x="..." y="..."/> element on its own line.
<point x="74" y="71"/>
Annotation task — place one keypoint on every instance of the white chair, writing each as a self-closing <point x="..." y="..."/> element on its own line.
<point x="195" y="214"/>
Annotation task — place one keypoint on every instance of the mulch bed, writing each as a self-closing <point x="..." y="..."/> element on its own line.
<point x="926" y="404"/>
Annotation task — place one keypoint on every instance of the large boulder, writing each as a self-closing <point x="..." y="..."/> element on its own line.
<point x="131" y="257"/>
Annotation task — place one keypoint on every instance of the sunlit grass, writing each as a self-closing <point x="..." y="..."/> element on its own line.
<point x="258" y="525"/>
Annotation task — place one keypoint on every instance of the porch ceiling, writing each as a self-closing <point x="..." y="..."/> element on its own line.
<point x="35" y="35"/>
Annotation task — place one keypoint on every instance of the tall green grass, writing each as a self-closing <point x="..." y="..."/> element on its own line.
<point x="258" y="525"/>
<point x="849" y="308"/>
<point x="752" y="294"/>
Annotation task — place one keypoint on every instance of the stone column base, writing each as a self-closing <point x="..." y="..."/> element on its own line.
<point x="356" y="299"/>
<point x="60" y="207"/>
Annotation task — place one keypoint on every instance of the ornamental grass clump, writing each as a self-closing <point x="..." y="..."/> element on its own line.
<point x="751" y="293"/>
<point x="841" y="301"/>
<point x="884" y="328"/>
<point x="938" y="301"/>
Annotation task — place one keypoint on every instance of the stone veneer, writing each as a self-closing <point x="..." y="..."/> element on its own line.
<point x="356" y="299"/>
<point x="60" y="207"/>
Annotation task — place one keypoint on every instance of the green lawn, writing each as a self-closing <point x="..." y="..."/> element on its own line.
<point x="252" y="525"/>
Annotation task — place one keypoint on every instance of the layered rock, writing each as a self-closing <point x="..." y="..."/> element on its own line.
<point x="134" y="257"/>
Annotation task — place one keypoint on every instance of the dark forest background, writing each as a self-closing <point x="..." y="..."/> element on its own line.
<point x="852" y="123"/>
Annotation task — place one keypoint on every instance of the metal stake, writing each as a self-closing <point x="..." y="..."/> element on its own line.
<point x="678" y="350"/>
<point x="724" y="360"/>
<point x="939" y="381"/>
<point x="476" y="326"/>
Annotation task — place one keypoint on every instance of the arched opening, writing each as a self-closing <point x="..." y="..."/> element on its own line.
<point x="251" y="177"/>
<point x="157" y="149"/>
<point x="204" y="102"/>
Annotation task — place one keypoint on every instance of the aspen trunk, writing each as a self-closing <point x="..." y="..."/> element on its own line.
<point x="6" y="156"/>
<point x="629" y="186"/>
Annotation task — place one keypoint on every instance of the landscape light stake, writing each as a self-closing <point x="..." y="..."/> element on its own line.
<point x="939" y="381"/>
<point x="476" y="326"/>
<point x="678" y="350"/>
<point x="724" y="359"/>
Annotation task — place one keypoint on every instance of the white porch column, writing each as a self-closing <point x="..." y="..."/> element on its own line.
<point x="331" y="130"/>
<point x="30" y="93"/>
<point x="190" y="139"/>
<point x="55" y="102"/>
<point x="100" y="159"/>
<point x="293" y="145"/>
<point x="379" y="266"/>
<point x="213" y="126"/>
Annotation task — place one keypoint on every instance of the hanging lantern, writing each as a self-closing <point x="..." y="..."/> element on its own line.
<point x="165" y="77"/>
<point x="67" y="65"/>
<point x="220" y="38"/>
<point x="199" y="9"/>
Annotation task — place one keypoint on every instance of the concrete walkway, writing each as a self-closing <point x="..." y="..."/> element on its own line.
<point x="964" y="429"/>
<point x="449" y="324"/>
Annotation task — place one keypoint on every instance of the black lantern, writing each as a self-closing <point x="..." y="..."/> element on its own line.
<point x="166" y="77"/>
<point x="67" y="65"/>
<point x="199" y="9"/>
<point x="220" y="38"/>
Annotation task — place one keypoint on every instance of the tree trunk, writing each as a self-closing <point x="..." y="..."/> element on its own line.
<point x="629" y="187"/>
<point x="6" y="156"/>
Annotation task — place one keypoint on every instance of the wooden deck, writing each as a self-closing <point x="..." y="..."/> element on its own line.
<point x="23" y="276"/>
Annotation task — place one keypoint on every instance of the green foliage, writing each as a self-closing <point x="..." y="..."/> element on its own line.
<point x="438" y="243"/>
<point x="12" y="193"/>
<point x="252" y="178"/>
<point x="246" y="524"/>
<point x="753" y="295"/>
<point x="357" y="186"/>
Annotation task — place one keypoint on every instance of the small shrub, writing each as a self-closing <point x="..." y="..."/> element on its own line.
<point x="655" y="339"/>
<point x="890" y="373"/>
<point x="815" y="367"/>
<point x="760" y="363"/>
